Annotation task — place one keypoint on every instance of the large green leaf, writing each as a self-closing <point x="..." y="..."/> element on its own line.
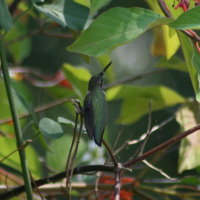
<point x="50" y="128"/>
<point x="196" y="64"/>
<point x="5" y="109"/>
<point x="189" y="152"/>
<point x="175" y="12"/>
<point x="188" y="20"/>
<point x="166" y="41"/>
<point x="5" y="17"/>
<point x="59" y="149"/>
<point x="8" y="145"/>
<point x="78" y="77"/>
<point x="20" y="49"/>
<point x="114" y="27"/>
<point x="83" y="2"/>
<point x="70" y="123"/>
<point x="196" y="61"/>
<point x="65" y="12"/>
<point x="135" y="100"/>
<point x="97" y="4"/>
<point x="174" y="63"/>
<point x="188" y="51"/>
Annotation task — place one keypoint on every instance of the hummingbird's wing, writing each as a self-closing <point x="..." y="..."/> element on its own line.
<point x="88" y="115"/>
<point x="100" y="116"/>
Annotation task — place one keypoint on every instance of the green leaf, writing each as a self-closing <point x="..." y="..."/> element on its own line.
<point x="50" y="128"/>
<point x="83" y="2"/>
<point x="5" y="109"/>
<point x="78" y="77"/>
<point x="114" y="27"/>
<point x="97" y="4"/>
<point x="20" y="49"/>
<point x="135" y="100"/>
<point x="196" y="64"/>
<point x="174" y="63"/>
<point x="188" y="51"/>
<point x="188" y="20"/>
<point x="59" y="149"/>
<point x="189" y="151"/>
<point x="70" y="123"/>
<point x="192" y="180"/>
<point x="196" y="61"/>
<point x="5" y="17"/>
<point x="65" y="12"/>
<point x="9" y="145"/>
<point x="166" y="41"/>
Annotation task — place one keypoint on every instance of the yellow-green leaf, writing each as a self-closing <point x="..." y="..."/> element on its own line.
<point x="135" y="100"/>
<point x="189" y="152"/>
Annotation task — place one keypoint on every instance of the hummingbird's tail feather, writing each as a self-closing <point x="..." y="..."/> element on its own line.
<point x="98" y="140"/>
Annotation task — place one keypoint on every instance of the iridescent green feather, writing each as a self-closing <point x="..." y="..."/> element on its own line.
<point x="100" y="110"/>
<point x="95" y="108"/>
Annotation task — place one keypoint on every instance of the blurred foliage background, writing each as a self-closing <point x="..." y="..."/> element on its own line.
<point x="150" y="70"/>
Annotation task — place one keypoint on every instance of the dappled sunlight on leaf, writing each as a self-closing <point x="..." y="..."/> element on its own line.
<point x="135" y="100"/>
<point x="189" y="152"/>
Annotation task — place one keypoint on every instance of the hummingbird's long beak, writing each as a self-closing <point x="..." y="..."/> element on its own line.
<point x="106" y="67"/>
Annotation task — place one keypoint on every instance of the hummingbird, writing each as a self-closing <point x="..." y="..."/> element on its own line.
<point x="95" y="108"/>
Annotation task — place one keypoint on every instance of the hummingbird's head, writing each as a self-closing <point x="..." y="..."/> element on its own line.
<point x="95" y="82"/>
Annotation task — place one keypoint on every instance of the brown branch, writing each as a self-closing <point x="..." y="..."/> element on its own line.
<point x="164" y="8"/>
<point x="117" y="171"/>
<point x="79" y="170"/>
<point x="190" y="33"/>
<point x="132" y="78"/>
<point x="92" y="168"/>
<point x="13" y="6"/>
<point x="111" y="154"/>
<point x="57" y="35"/>
<point x="162" y="146"/>
<point x="117" y="185"/>
<point x="21" y="147"/>
<point x="38" y="109"/>
<point x="42" y="30"/>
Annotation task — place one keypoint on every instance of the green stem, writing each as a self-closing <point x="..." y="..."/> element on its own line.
<point x="17" y="127"/>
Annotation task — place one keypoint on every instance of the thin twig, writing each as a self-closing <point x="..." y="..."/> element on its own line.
<point x="23" y="146"/>
<point x="164" y="8"/>
<point x="57" y="177"/>
<point x="110" y="153"/>
<point x="143" y="195"/>
<point x="117" y="171"/>
<point x="103" y="168"/>
<point x="11" y="177"/>
<point x="119" y="133"/>
<point x="143" y="136"/>
<point x="117" y="185"/>
<point x="57" y="35"/>
<point x="36" y="187"/>
<point x="39" y="109"/>
<point x="74" y="147"/>
<point x="70" y="158"/>
<point x="190" y="33"/>
<point x="96" y="185"/>
<point x="131" y="78"/>
<point x="159" y="170"/>
<point x="154" y="128"/>
<point x="149" y="130"/>
<point x="162" y="146"/>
